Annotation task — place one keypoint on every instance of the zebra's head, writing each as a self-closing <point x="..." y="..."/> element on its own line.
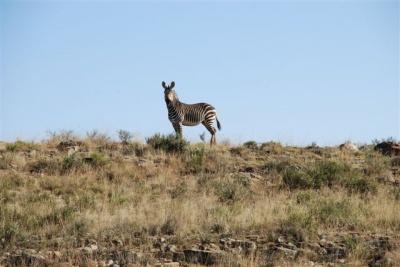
<point x="169" y="92"/>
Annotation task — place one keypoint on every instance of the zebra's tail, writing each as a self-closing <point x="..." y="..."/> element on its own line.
<point x="218" y="124"/>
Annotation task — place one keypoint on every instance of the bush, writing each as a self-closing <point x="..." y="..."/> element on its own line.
<point x="49" y="166"/>
<point x="361" y="185"/>
<point x="124" y="136"/>
<point x="70" y="163"/>
<point x="272" y="147"/>
<point x="195" y="159"/>
<point x="327" y="173"/>
<point x="293" y="179"/>
<point x="231" y="191"/>
<point x="251" y="145"/>
<point x="135" y="148"/>
<point x="169" y="143"/>
<point x="21" y="146"/>
<point x="97" y="160"/>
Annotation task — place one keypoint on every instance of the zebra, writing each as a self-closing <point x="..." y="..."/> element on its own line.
<point x="180" y="113"/>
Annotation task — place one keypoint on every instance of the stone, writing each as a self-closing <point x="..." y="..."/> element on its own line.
<point x="171" y="248"/>
<point x="348" y="146"/>
<point x="243" y="245"/>
<point x="388" y="148"/>
<point x="291" y="253"/>
<point x="63" y="146"/>
<point x="27" y="257"/>
<point x="202" y="256"/>
<point x="386" y="178"/>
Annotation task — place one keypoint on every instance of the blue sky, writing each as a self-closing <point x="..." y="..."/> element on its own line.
<point x="295" y="72"/>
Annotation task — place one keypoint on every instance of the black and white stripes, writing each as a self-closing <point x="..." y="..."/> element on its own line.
<point x="189" y="114"/>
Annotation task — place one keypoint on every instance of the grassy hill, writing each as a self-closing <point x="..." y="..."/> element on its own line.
<point x="94" y="202"/>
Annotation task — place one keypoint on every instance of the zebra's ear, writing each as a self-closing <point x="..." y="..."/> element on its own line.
<point x="172" y="85"/>
<point x="163" y="85"/>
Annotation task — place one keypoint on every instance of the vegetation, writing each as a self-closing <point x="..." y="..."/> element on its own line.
<point x="134" y="203"/>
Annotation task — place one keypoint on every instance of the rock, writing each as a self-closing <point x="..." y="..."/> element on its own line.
<point x="272" y="251"/>
<point x="243" y="245"/>
<point x="348" y="146"/>
<point x="386" y="178"/>
<point x="171" y="248"/>
<point x="202" y="256"/>
<point x="291" y="253"/>
<point x="281" y="239"/>
<point x="334" y="251"/>
<point x="253" y="237"/>
<point x="28" y="257"/>
<point x="388" y="148"/>
<point x="64" y="146"/>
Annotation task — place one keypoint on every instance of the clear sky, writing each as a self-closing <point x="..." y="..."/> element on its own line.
<point x="295" y="72"/>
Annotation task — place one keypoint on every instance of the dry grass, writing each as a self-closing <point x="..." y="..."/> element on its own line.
<point x="104" y="191"/>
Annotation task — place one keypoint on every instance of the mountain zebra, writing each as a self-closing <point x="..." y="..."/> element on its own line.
<point x="189" y="115"/>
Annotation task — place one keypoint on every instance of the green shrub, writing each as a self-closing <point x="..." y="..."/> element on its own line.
<point x="169" y="143"/>
<point x="195" y="159"/>
<point x="272" y="147"/>
<point x="357" y="184"/>
<point x="296" y="179"/>
<point x="324" y="173"/>
<point x="327" y="173"/>
<point x="70" y="163"/>
<point x="21" y="146"/>
<point x="277" y="166"/>
<point x="231" y="190"/>
<point x="97" y="160"/>
<point x="44" y="165"/>
<point x="251" y="145"/>
<point x="134" y="148"/>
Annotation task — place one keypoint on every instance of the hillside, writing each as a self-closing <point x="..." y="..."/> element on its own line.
<point x="94" y="202"/>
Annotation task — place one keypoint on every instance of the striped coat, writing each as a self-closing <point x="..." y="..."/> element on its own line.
<point x="181" y="114"/>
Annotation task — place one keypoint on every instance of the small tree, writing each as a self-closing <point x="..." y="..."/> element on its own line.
<point x="124" y="136"/>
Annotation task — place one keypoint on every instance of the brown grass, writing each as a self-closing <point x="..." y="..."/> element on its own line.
<point x="107" y="191"/>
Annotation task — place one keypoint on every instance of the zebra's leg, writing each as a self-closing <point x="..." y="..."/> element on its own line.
<point x="212" y="131"/>
<point x="178" y="129"/>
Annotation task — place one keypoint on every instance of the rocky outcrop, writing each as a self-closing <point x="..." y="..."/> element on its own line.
<point x="388" y="148"/>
